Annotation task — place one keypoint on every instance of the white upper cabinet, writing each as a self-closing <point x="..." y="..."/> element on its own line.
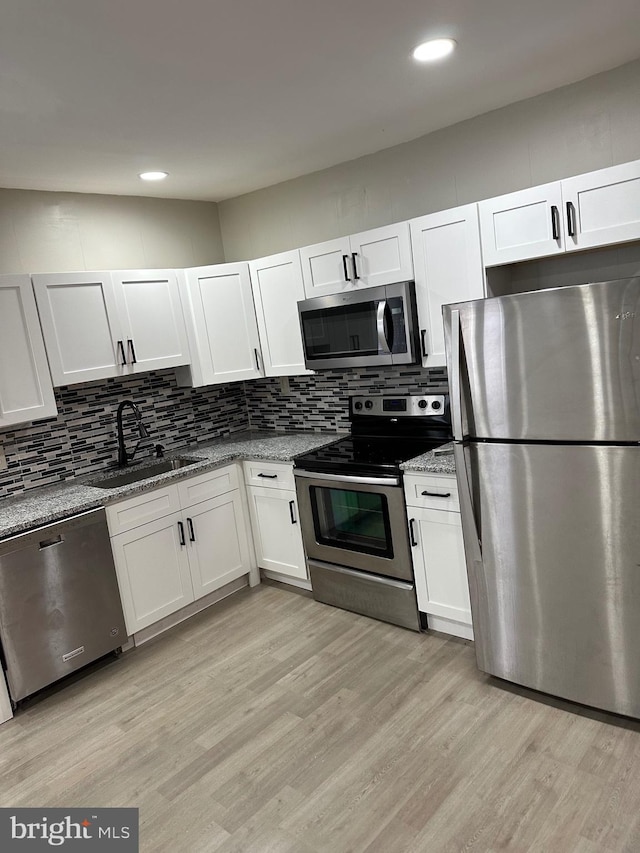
<point x="277" y="289"/>
<point x="151" y="319"/>
<point x="597" y="209"/>
<point x="102" y="324"/>
<point x="602" y="207"/>
<point x="81" y="326"/>
<point x="375" y="257"/>
<point x="221" y="323"/>
<point x="382" y="255"/>
<point x="522" y="225"/>
<point x="448" y="268"/>
<point x="26" y="393"/>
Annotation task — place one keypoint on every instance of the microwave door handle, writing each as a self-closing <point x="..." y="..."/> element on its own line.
<point x="388" y="327"/>
<point x="383" y="344"/>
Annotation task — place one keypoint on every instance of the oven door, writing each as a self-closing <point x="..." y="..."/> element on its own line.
<point x="358" y="522"/>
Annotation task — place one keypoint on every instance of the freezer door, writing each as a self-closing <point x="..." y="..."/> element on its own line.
<point x="553" y="555"/>
<point x="556" y="365"/>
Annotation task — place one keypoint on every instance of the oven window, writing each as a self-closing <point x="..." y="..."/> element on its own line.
<point x="357" y="521"/>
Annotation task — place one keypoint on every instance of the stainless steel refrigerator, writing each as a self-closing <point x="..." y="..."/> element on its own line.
<point x="545" y="400"/>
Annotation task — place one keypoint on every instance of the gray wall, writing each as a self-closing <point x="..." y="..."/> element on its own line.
<point x="585" y="126"/>
<point x="49" y="232"/>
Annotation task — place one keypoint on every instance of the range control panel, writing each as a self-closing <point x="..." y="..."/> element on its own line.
<point x="385" y="405"/>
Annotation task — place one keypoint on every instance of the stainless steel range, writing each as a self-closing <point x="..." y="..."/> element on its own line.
<point x="352" y="509"/>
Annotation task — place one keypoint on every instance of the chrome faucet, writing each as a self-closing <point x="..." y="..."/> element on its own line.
<point x="123" y="457"/>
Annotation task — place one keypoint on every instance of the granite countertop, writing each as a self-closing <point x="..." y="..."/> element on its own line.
<point x="431" y="462"/>
<point x="52" y="503"/>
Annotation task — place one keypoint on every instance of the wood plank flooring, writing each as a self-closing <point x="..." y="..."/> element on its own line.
<point x="273" y="724"/>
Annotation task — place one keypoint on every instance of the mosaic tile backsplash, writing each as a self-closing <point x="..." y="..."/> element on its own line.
<point x="82" y="439"/>
<point x="320" y="401"/>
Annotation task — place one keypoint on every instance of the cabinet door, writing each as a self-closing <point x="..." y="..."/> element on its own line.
<point x="276" y="531"/>
<point x="602" y="207"/>
<point x="152" y="320"/>
<point x="327" y="267"/>
<point x="439" y="565"/>
<point x="218" y="543"/>
<point x="277" y="289"/>
<point x="80" y="324"/>
<point x="382" y="255"/>
<point x="222" y="324"/>
<point x="522" y="225"/>
<point x="153" y="571"/>
<point x="26" y="393"/>
<point x="448" y="268"/>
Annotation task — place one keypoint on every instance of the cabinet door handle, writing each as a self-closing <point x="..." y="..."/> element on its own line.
<point x="437" y="494"/>
<point x="181" y="533"/>
<point x="292" y="512"/>
<point x="412" y="534"/>
<point x="268" y="476"/>
<point x="121" y="353"/>
<point x="255" y="349"/>
<point x="192" y="535"/>
<point x="555" y="222"/>
<point x="354" y="255"/>
<point x="571" y="219"/>
<point x="344" y="266"/>
<point x="132" y="351"/>
<point x="423" y="343"/>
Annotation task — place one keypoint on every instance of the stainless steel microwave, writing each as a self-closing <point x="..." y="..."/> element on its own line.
<point x="357" y="328"/>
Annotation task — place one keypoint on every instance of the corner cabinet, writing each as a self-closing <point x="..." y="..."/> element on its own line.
<point x="26" y="392"/>
<point x="177" y="543"/>
<point x="591" y="210"/>
<point x="277" y="288"/>
<point x="98" y="325"/>
<point x="221" y="324"/>
<point x="438" y="552"/>
<point x="448" y="268"/>
<point x="273" y="508"/>
<point x="371" y="258"/>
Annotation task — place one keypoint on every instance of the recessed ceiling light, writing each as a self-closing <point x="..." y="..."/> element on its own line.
<point x="153" y="176"/>
<point x="429" y="51"/>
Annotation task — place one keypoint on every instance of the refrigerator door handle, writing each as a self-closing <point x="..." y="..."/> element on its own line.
<point x="454" y="379"/>
<point x="473" y="552"/>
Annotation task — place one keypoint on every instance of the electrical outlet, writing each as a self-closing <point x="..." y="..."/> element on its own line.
<point x="3" y="459"/>
<point x="284" y="384"/>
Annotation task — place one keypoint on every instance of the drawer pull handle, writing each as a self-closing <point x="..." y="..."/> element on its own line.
<point x="269" y="476"/>
<point x="437" y="494"/>
<point x="412" y="535"/>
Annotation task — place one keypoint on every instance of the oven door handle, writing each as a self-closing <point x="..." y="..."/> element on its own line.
<point x="348" y="478"/>
<point x="383" y="343"/>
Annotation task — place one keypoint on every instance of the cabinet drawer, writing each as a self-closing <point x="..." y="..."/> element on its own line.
<point x="208" y="485"/>
<point x="441" y="489"/>
<point x="148" y="506"/>
<point x="272" y="475"/>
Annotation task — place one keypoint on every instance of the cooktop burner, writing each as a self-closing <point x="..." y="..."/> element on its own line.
<point x="385" y="432"/>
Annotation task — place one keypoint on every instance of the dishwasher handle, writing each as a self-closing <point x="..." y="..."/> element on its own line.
<point x="55" y="540"/>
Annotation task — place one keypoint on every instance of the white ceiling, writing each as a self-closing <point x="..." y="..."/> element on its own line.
<point x="232" y="95"/>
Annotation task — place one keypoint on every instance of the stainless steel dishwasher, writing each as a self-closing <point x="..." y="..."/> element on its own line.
<point x="59" y="601"/>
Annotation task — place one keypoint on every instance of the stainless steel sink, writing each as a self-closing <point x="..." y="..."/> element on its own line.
<point x="134" y="475"/>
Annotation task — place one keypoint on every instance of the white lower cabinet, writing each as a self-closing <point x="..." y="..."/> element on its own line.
<point x="274" y="520"/>
<point x="169" y="561"/>
<point x="438" y="553"/>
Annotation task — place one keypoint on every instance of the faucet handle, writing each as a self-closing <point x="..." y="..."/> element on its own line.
<point x="158" y="451"/>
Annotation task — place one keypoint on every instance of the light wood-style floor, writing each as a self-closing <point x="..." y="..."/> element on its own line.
<point x="274" y="724"/>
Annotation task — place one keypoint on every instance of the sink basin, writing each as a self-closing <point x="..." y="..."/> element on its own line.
<point x="134" y="475"/>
